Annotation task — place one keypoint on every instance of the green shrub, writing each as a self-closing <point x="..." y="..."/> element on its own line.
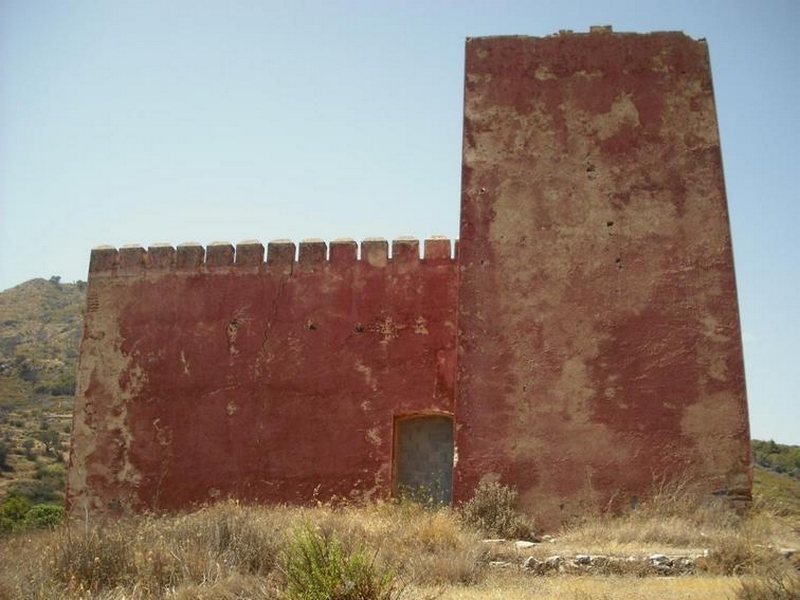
<point x="777" y="457"/>
<point x="12" y="513"/>
<point x="5" y="450"/>
<point x="28" y="445"/>
<point x="317" y="567"/>
<point x="492" y="511"/>
<point x="49" y="489"/>
<point x="44" y="516"/>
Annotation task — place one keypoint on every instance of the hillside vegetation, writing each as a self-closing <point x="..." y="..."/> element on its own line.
<point x="40" y="328"/>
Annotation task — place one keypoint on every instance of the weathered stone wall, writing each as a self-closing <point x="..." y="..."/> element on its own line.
<point x="598" y="347"/>
<point x="599" y="340"/>
<point x="211" y="372"/>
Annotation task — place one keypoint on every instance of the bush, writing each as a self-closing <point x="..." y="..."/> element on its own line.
<point x="44" y="516"/>
<point x="29" y="445"/>
<point x="46" y="490"/>
<point x="774" y="586"/>
<point x="317" y="567"/>
<point x="12" y="513"/>
<point x="5" y="450"/>
<point x="236" y="536"/>
<point x="99" y="560"/>
<point x="16" y="513"/>
<point x="737" y="554"/>
<point x="492" y="511"/>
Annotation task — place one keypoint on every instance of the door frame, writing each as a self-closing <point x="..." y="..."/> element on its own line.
<point x="398" y="418"/>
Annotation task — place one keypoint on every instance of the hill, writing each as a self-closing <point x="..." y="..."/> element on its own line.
<point x="40" y="328"/>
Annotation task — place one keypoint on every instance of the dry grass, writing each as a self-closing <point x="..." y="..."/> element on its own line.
<point x="675" y="516"/>
<point x="511" y="587"/>
<point x="230" y="550"/>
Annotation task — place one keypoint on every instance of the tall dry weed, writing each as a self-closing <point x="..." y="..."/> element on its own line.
<point x="492" y="510"/>
<point x="433" y="547"/>
<point x="675" y="514"/>
<point x="97" y="560"/>
<point x="421" y="543"/>
<point x="779" y="584"/>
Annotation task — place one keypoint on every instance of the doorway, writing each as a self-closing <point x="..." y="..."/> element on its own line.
<point x="423" y="454"/>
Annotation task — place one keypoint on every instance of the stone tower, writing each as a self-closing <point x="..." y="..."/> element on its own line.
<point x="599" y="340"/>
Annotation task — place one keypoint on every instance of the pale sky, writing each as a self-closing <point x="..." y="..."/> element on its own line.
<point x="144" y="122"/>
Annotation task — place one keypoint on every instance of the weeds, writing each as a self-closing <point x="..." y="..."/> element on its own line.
<point x="674" y="515"/>
<point x="378" y="551"/>
<point x="317" y="567"/>
<point x="492" y="511"/>
<point x="738" y="554"/>
<point x="99" y="560"/>
<point x="779" y="584"/>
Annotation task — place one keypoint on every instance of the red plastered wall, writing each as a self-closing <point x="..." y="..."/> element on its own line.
<point x="207" y="377"/>
<point x="599" y="342"/>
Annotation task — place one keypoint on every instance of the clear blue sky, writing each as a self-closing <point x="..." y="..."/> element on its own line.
<point x="142" y="122"/>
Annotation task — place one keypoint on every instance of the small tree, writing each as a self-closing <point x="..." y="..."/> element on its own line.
<point x="5" y="449"/>
<point x="28" y="445"/>
<point x="51" y="441"/>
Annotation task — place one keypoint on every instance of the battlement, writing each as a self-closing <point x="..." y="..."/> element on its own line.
<point x="544" y="349"/>
<point x="130" y="260"/>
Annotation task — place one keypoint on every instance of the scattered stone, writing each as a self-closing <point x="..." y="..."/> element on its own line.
<point x="684" y="565"/>
<point x="659" y="559"/>
<point x="553" y="562"/>
<point x="661" y="563"/>
<point x="533" y="565"/>
<point x="655" y="564"/>
<point x="521" y="544"/>
<point x="599" y="561"/>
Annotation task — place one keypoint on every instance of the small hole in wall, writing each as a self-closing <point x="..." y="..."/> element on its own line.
<point x="359" y="328"/>
<point x="609" y="223"/>
<point x="311" y="326"/>
<point x="618" y="262"/>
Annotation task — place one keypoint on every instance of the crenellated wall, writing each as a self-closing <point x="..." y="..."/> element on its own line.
<point x="218" y="371"/>
<point x="582" y="345"/>
<point x="132" y="260"/>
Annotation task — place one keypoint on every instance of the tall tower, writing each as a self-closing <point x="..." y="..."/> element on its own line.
<point x="599" y="340"/>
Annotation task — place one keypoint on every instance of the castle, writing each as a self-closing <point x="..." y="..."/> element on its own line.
<point x="580" y="341"/>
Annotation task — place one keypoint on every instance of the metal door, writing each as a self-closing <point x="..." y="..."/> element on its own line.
<point x="424" y="458"/>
